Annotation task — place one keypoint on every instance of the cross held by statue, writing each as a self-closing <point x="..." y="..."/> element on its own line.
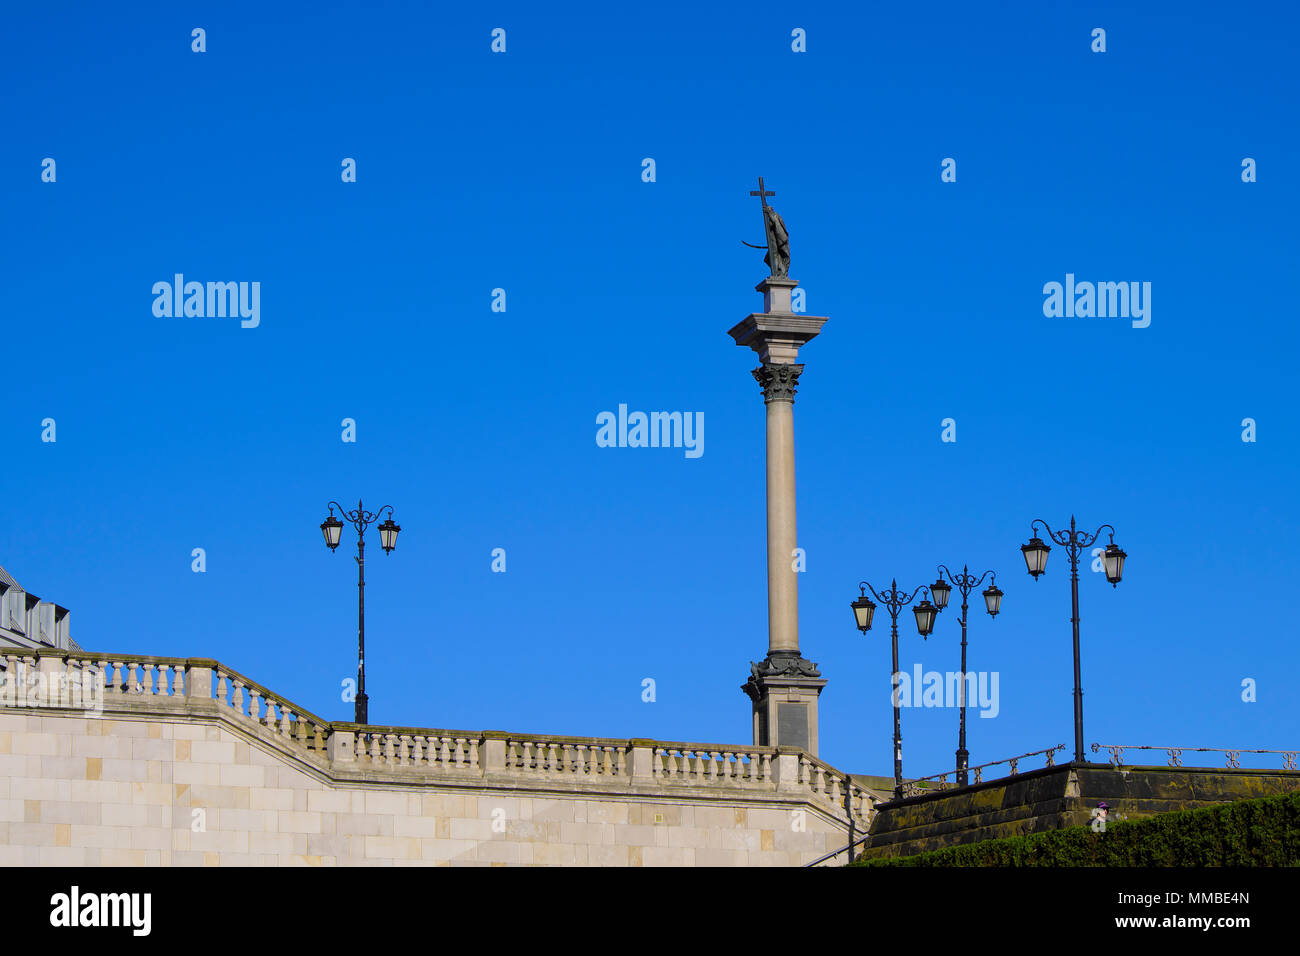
<point x="762" y="193"/>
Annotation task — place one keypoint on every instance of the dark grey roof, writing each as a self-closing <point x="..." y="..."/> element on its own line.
<point x="7" y="580"/>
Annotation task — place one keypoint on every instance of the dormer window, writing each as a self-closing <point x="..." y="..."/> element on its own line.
<point x="33" y="625"/>
<point x="62" y="635"/>
<point x="13" y="610"/>
<point x="45" y="632"/>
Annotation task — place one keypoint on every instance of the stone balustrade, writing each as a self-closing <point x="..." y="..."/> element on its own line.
<point x="278" y="716"/>
<point x="188" y="686"/>
<point x="700" y="764"/>
<point x="430" y="751"/>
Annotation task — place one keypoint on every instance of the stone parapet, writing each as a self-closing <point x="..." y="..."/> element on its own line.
<point x="345" y="753"/>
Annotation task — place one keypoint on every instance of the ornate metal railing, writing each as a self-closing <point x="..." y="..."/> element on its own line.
<point x="1289" y="757"/>
<point x="911" y="788"/>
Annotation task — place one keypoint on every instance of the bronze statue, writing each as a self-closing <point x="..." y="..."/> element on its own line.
<point x="778" y="239"/>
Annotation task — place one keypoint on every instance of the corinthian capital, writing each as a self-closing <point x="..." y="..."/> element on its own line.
<point x="778" y="381"/>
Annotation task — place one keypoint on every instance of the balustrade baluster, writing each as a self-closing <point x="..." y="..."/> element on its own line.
<point x="280" y="726"/>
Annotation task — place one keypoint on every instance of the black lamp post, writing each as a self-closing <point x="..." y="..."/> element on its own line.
<point x="332" y="528"/>
<point x="863" y="612"/>
<point x="965" y="582"/>
<point x="1074" y="541"/>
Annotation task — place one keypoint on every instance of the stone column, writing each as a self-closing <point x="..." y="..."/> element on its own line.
<point x="778" y="383"/>
<point x="784" y="687"/>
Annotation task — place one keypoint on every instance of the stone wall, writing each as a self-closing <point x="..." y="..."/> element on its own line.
<point x="183" y="775"/>
<point x="1056" y="797"/>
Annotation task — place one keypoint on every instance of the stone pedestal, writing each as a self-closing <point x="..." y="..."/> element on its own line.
<point x="784" y="687"/>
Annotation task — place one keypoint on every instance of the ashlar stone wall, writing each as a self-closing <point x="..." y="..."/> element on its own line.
<point x="127" y="790"/>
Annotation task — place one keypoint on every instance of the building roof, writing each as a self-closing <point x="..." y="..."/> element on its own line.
<point x="6" y="582"/>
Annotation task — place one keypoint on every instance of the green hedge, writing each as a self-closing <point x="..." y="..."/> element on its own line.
<point x="1263" y="832"/>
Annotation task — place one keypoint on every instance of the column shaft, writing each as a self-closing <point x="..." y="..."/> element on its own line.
<point x="782" y="579"/>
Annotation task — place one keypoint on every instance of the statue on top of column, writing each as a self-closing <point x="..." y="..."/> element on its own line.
<point x="778" y="239"/>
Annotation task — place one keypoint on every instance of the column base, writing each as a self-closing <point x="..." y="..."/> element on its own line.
<point x="783" y="689"/>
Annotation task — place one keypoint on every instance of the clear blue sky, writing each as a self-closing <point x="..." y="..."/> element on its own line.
<point x="522" y="171"/>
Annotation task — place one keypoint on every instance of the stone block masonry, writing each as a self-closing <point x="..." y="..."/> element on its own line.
<point x="188" y="763"/>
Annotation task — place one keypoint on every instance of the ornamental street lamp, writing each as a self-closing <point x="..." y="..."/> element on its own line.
<point x="864" y="609"/>
<point x="965" y="582"/>
<point x="1074" y="541"/>
<point x="332" y="529"/>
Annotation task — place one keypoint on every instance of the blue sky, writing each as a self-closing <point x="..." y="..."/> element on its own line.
<point x="522" y="171"/>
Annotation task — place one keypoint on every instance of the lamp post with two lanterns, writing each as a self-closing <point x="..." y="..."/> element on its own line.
<point x="864" y="610"/>
<point x="1074" y="541"/>
<point x="965" y="582"/>
<point x="332" y="529"/>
